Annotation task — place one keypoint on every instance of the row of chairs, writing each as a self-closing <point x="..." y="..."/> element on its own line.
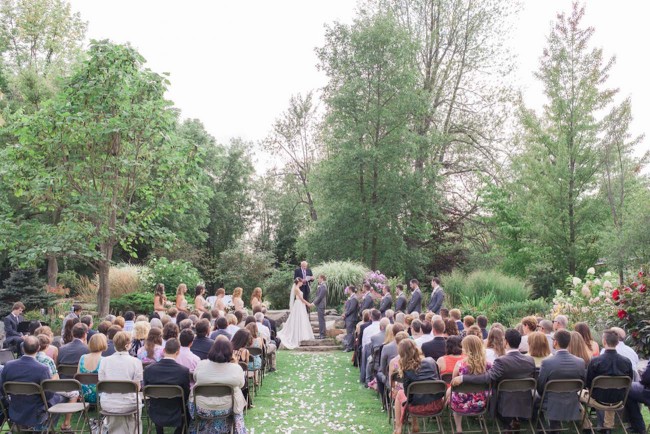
<point x="528" y="385"/>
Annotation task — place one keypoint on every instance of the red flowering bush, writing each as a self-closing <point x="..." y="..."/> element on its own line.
<point x="634" y="312"/>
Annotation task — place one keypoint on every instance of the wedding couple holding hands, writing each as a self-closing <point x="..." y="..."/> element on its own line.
<point x="297" y="328"/>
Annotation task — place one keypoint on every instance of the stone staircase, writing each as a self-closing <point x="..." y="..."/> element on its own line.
<point x="319" y="345"/>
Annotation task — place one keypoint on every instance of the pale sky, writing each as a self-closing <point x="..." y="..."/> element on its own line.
<point x="234" y="64"/>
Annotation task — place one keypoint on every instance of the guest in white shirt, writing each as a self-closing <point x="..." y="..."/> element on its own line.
<point x="266" y="334"/>
<point x="121" y="367"/>
<point x="426" y="328"/>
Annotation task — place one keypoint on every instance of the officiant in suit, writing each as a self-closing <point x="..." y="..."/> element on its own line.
<point x="13" y="338"/>
<point x="321" y="302"/>
<point x="304" y="272"/>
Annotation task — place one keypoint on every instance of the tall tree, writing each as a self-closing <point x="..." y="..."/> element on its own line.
<point x="106" y="148"/>
<point x="372" y="102"/>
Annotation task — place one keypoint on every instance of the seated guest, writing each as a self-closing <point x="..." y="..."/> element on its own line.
<point x="560" y="322"/>
<point x="529" y="325"/>
<point x="414" y="367"/>
<point x="482" y="322"/>
<point x="426" y="336"/>
<point x="220" y="328"/>
<point x="218" y="369"/>
<point x="623" y="349"/>
<point x="152" y="349"/>
<point x="240" y="318"/>
<point x="186" y="324"/>
<point x="265" y="332"/>
<point x="454" y="314"/>
<point x="110" y="334"/>
<point x="119" y="321"/>
<point x="70" y="354"/>
<point x="468" y="321"/>
<point x="639" y="394"/>
<point x="129" y="317"/>
<point x="578" y="347"/>
<point x="561" y="366"/>
<point x="416" y="329"/>
<point x="473" y="330"/>
<point x="103" y="327"/>
<point x="51" y="351"/>
<point x="75" y="314"/>
<point x="400" y="318"/>
<point x="202" y="343"/>
<point x="376" y="341"/>
<point x="172" y="313"/>
<point x="256" y="343"/>
<point x="28" y="411"/>
<point x="13" y="338"/>
<point x="170" y="331"/>
<point x="538" y="347"/>
<point x="546" y="327"/>
<point x="390" y="314"/>
<point x="513" y="365"/>
<point x="585" y="332"/>
<point x="140" y="333"/>
<point x="436" y="347"/>
<point x="121" y="367"/>
<point x="88" y="320"/>
<point x="66" y="332"/>
<point x="370" y="331"/>
<point x="240" y="343"/>
<point x="454" y="354"/>
<point x="474" y="363"/>
<point x="451" y="328"/>
<point x="168" y="412"/>
<point x="156" y="323"/>
<point x="495" y="345"/>
<point x="90" y="363"/>
<point x="232" y="324"/>
<point x="610" y="363"/>
<point x="185" y="356"/>
<point x="388" y="352"/>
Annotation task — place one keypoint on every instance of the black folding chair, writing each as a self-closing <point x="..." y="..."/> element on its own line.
<point x="123" y="388"/>
<point x="153" y="392"/>
<point x="479" y="415"/>
<point x="430" y="387"/>
<point x="66" y="387"/>
<point x="520" y="385"/>
<point x="17" y="388"/>
<point x="6" y="356"/>
<point x="67" y="371"/>
<point x="607" y="383"/>
<point x="215" y="391"/>
<point x="559" y="386"/>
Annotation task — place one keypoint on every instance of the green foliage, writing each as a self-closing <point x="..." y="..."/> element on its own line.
<point x="479" y="285"/>
<point x="633" y="308"/>
<point x="278" y="285"/>
<point x="509" y="314"/>
<point x="243" y="267"/>
<point x="71" y="280"/>
<point x="25" y="286"/>
<point x="171" y="274"/>
<point x="340" y="274"/>
<point x="140" y="303"/>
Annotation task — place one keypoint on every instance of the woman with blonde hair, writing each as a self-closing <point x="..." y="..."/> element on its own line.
<point x="538" y="347"/>
<point x="236" y="298"/>
<point x="181" y="302"/>
<point x="413" y="366"/>
<point x="89" y="364"/>
<point x="579" y="348"/>
<point x="393" y="365"/>
<point x="51" y="351"/>
<point x="496" y="344"/>
<point x="585" y="332"/>
<point x="389" y="336"/>
<point x="256" y="298"/>
<point x="475" y="363"/>
<point x="140" y="333"/>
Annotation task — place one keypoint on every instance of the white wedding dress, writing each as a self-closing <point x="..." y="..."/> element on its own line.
<point x="297" y="328"/>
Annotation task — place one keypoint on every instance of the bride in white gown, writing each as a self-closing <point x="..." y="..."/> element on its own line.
<point x="297" y="327"/>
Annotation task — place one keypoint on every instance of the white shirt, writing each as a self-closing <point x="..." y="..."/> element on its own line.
<point x="627" y="352"/>
<point x="423" y="339"/>
<point x="369" y="332"/>
<point x="232" y="329"/>
<point x="264" y="331"/>
<point x="120" y="367"/>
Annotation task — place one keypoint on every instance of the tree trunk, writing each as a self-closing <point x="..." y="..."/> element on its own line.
<point x="104" y="291"/>
<point x="52" y="271"/>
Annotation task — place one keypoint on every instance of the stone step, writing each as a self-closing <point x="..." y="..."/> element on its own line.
<point x="318" y="343"/>
<point x="319" y="349"/>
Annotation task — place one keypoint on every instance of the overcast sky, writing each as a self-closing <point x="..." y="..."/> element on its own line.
<point x="234" y="64"/>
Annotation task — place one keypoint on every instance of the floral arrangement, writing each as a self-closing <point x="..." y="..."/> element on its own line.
<point x="633" y="311"/>
<point x="590" y="300"/>
<point x="377" y="281"/>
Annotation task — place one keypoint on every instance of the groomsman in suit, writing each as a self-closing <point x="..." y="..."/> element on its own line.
<point x="415" y="303"/>
<point x="386" y="300"/>
<point x="321" y="302"/>
<point x="437" y="296"/>
<point x="400" y="302"/>
<point x="366" y="298"/>
<point x="13" y="338"/>
<point x="306" y="275"/>
<point x="350" y="317"/>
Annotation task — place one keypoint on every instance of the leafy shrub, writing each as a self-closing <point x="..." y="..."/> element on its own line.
<point x="70" y="279"/>
<point x="25" y="286"/>
<point x="171" y="274"/>
<point x="126" y="278"/>
<point x="633" y="311"/>
<point x="240" y="266"/>
<point x="140" y="303"/>
<point x="480" y="284"/>
<point x="339" y="275"/>
<point x="276" y="287"/>
<point x="508" y="314"/>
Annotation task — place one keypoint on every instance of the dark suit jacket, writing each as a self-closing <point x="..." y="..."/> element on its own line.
<point x="436" y="301"/>
<point x="561" y="366"/>
<point x="201" y="347"/>
<point x="388" y="353"/>
<point x="610" y="363"/>
<point x="167" y="412"/>
<point x="69" y="354"/>
<point x="400" y="303"/>
<point x="11" y="325"/>
<point x="110" y="350"/>
<point x="27" y="410"/>
<point x="513" y="365"/>
<point x="367" y="302"/>
<point x="321" y="297"/>
<point x="273" y="327"/>
<point x="298" y="273"/>
<point x="437" y="347"/>
<point x="386" y="303"/>
<point x="216" y="333"/>
<point x="415" y="303"/>
<point x="350" y="312"/>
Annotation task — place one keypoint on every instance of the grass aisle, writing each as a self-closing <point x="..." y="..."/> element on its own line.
<point x="316" y="393"/>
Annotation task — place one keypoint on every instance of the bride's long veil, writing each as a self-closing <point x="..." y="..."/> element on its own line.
<point x="292" y="296"/>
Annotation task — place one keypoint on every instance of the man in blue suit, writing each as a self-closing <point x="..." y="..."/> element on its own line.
<point x="28" y="410"/>
<point x="13" y="337"/>
<point x="437" y="296"/>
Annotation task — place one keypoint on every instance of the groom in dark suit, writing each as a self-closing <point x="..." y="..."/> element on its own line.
<point x="306" y="275"/>
<point x="321" y="302"/>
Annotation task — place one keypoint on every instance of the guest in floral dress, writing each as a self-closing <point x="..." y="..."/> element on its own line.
<point x="89" y="364"/>
<point x="393" y="366"/>
<point x="152" y="350"/>
<point x="474" y="363"/>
